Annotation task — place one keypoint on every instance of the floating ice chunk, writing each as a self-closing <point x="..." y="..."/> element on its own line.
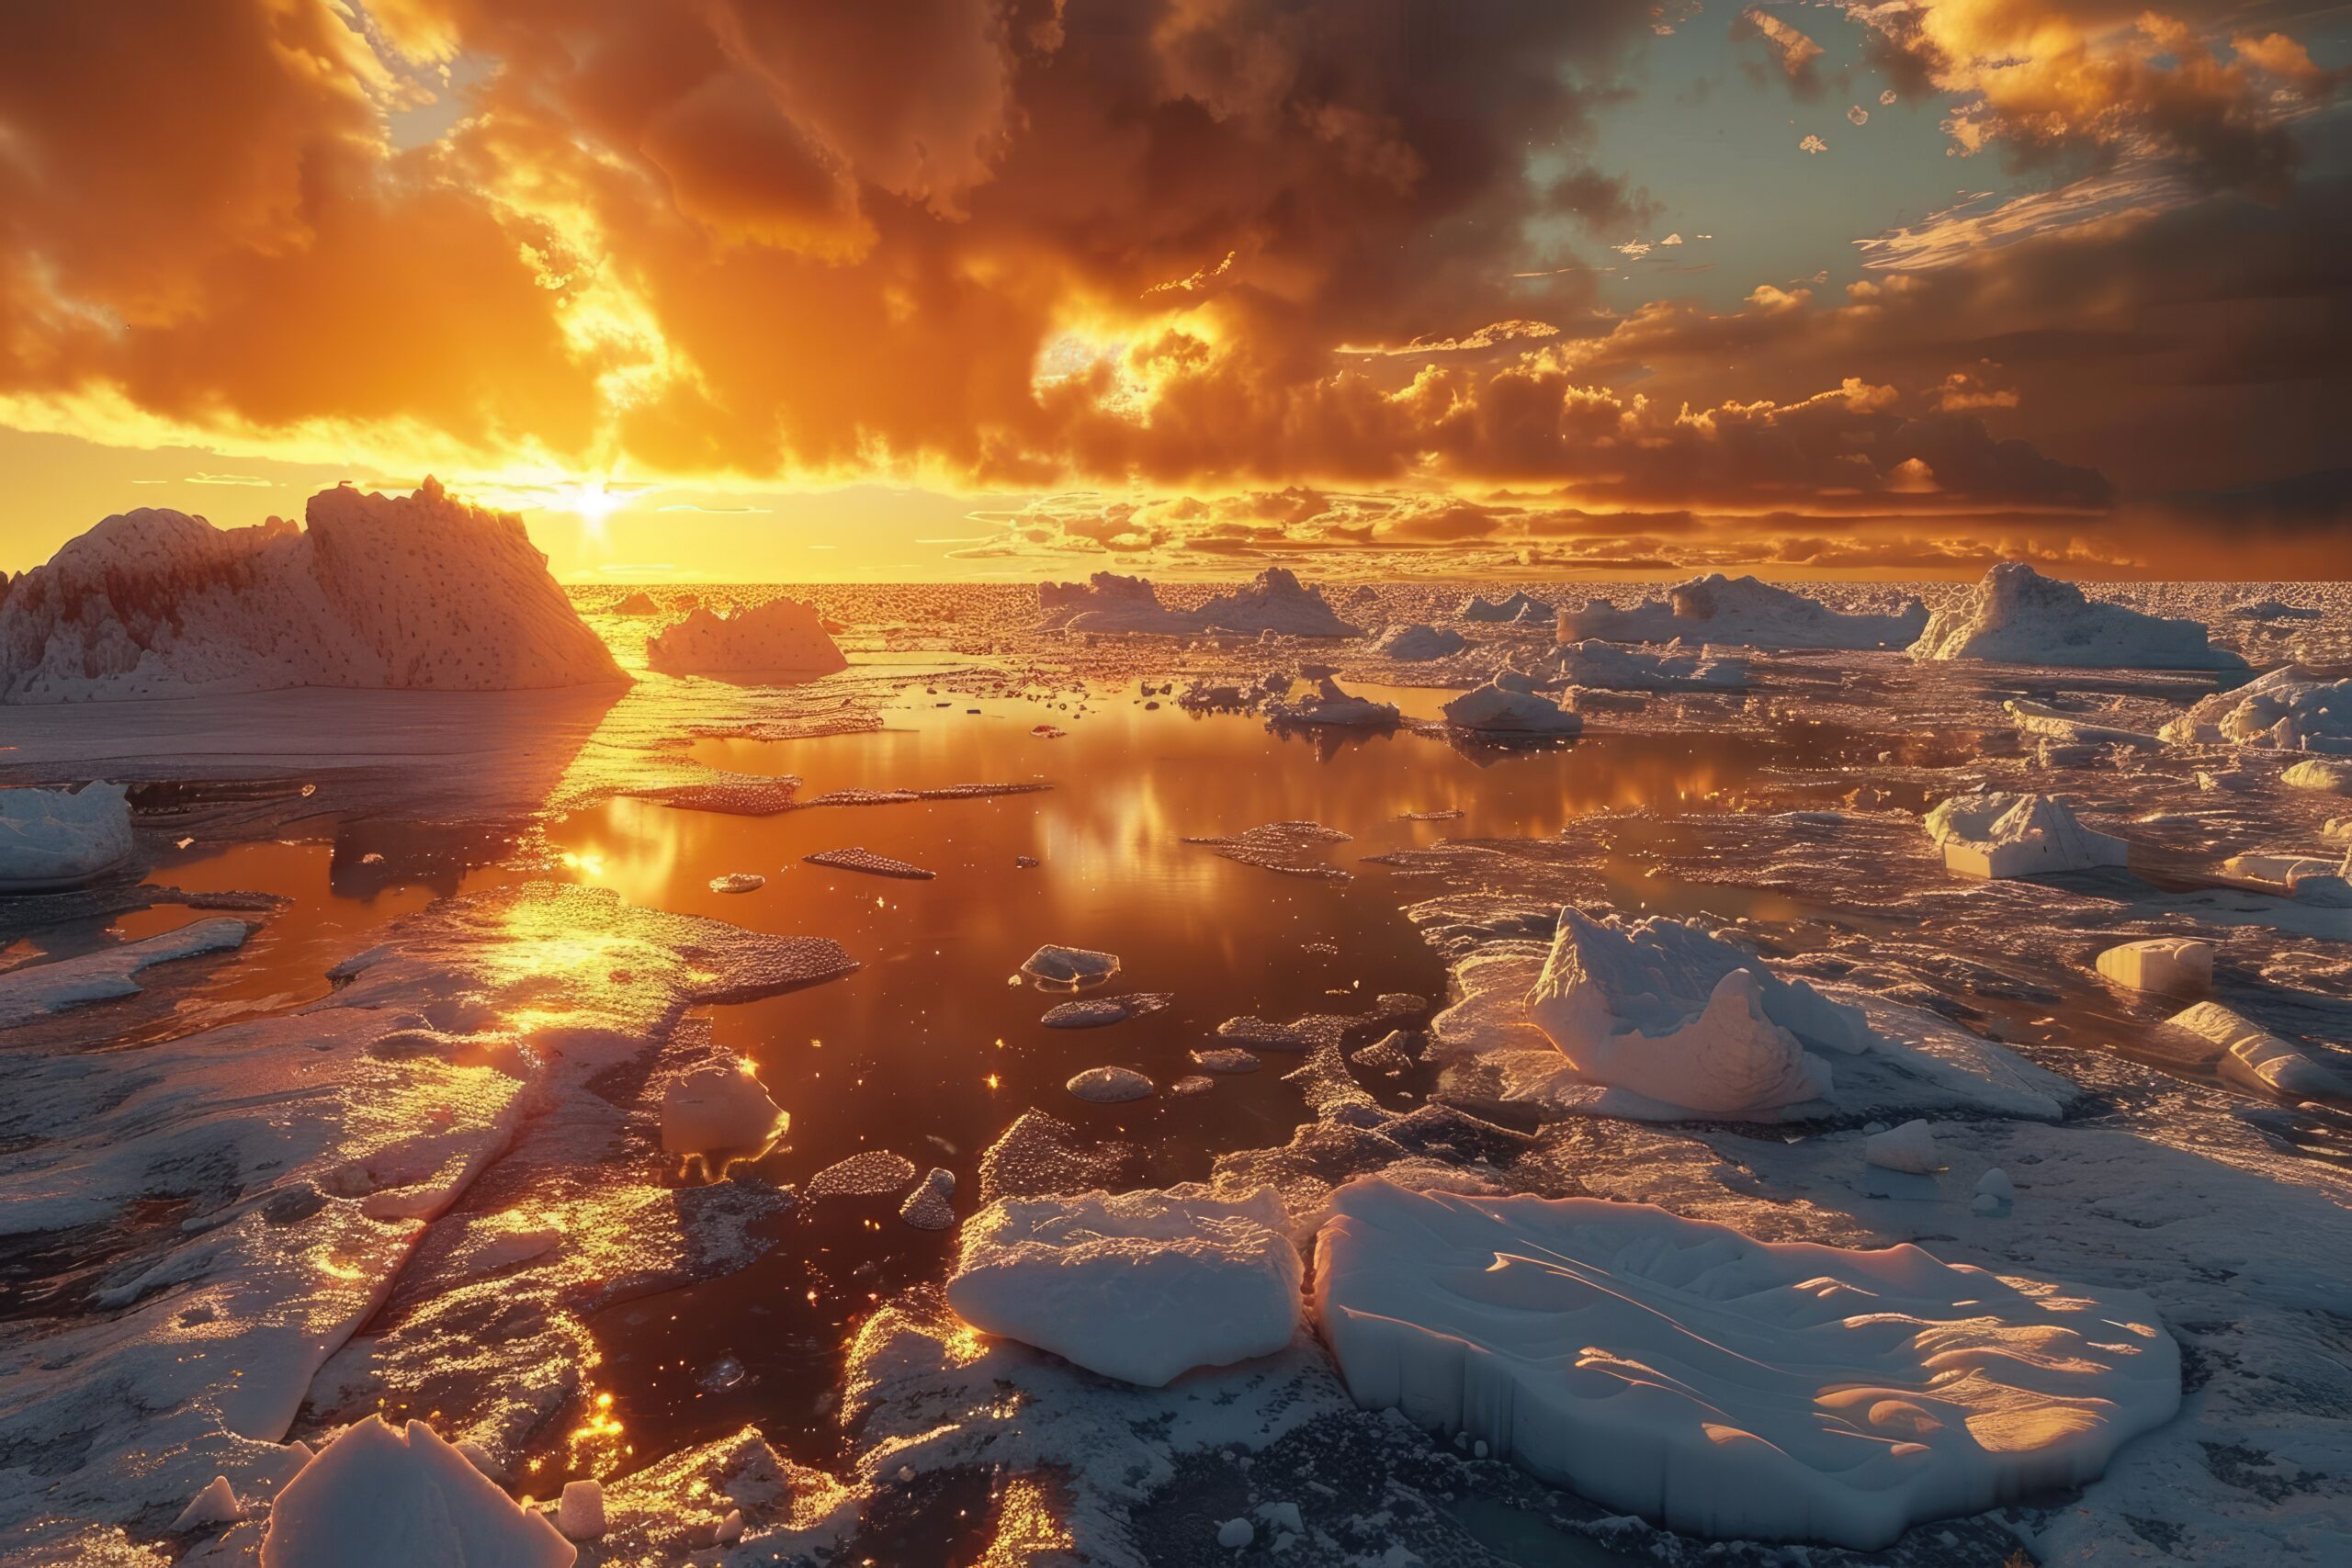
<point x="738" y="882"/>
<point x="1235" y="1533"/>
<point x="2016" y="615"/>
<point x="871" y="1173"/>
<point x="1263" y="1033"/>
<point x="1418" y="643"/>
<point x="216" y="1505"/>
<point x="1518" y="607"/>
<point x="382" y="1498"/>
<point x="1274" y="601"/>
<point x="927" y="1207"/>
<point x="1229" y="1059"/>
<point x="718" y="1107"/>
<point x="1743" y="612"/>
<point x="2040" y="719"/>
<point x="1727" y="1387"/>
<point x="2160" y="964"/>
<point x="1110" y="1086"/>
<point x="2288" y="708"/>
<point x="1326" y="706"/>
<point x="2320" y="774"/>
<point x="35" y="990"/>
<point x="1509" y="704"/>
<point x="580" y="1511"/>
<point x="1096" y="1012"/>
<point x="782" y="638"/>
<point x="1665" y="1011"/>
<point x="1993" y="834"/>
<point x="1141" y="1286"/>
<point x="1995" y="1184"/>
<point x="2284" y="870"/>
<point x="1391" y="1053"/>
<point x="1069" y="966"/>
<point x="1604" y="665"/>
<point x="417" y="591"/>
<point x="53" y="838"/>
<point x="1910" y="1147"/>
<point x="2245" y="1052"/>
<point x="870" y="864"/>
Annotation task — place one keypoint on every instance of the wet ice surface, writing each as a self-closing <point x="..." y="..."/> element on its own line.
<point x="589" y="1304"/>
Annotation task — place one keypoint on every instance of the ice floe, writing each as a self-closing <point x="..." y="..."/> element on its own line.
<point x="718" y="1107"/>
<point x="871" y="1173"/>
<point x="380" y="1497"/>
<point x="1139" y="1286"/>
<point x="2327" y="774"/>
<point x="1067" y="968"/>
<point x="1993" y="834"/>
<point x="1727" y="1386"/>
<point x="1418" y="643"/>
<point x="2016" y="615"/>
<point x="410" y="592"/>
<point x="928" y="1206"/>
<point x="1096" y="1012"/>
<point x="1509" y="705"/>
<point x="868" y="863"/>
<point x="1275" y="601"/>
<point x="1742" y="611"/>
<point x="781" y="638"/>
<point x="2288" y="708"/>
<point x="1291" y="848"/>
<point x="55" y="838"/>
<point x="36" y="990"/>
<point x="1110" y="1086"/>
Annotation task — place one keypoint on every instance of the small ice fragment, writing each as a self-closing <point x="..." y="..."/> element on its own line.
<point x="1909" y="1147"/>
<point x="739" y="882"/>
<point x="873" y="1173"/>
<point x="1191" y="1084"/>
<point x="2160" y="964"/>
<point x="730" y="1528"/>
<point x="1995" y="1184"/>
<point x="1095" y="1013"/>
<point x="216" y="1505"/>
<point x="1109" y="1086"/>
<point x="927" y="1208"/>
<point x="1069" y="966"/>
<point x="579" y="1513"/>
<point x="1225" y="1059"/>
<point x="723" y="1374"/>
<point x="718" y="1107"/>
<point x="1235" y="1533"/>
<point x="1984" y="1204"/>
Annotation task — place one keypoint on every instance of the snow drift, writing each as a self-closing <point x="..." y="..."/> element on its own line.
<point x="415" y="593"/>
<point x="781" y="638"/>
<point x="2016" y="615"/>
<point x="1740" y="610"/>
<point x="1725" y="1387"/>
<point x="52" y="837"/>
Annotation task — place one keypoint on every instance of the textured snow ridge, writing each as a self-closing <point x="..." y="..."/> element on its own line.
<point x="783" y="637"/>
<point x="1509" y="704"/>
<point x="1141" y="1286"/>
<point x="55" y="838"/>
<point x="2016" y="615"/>
<point x="1993" y="834"/>
<point x="381" y="1498"/>
<point x="1741" y="610"/>
<point x="1729" y="1387"/>
<point x="419" y="591"/>
<point x="2288" y="708"/>
<point x="1665" y="1011"/>
<point x="35" y="990"/>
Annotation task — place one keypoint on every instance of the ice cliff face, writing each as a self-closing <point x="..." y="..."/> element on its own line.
<point x="419" y="593"/>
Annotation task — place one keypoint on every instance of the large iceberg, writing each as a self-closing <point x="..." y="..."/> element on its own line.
<point x="1141" y="1286"/>
<point x="1993" y="834"/>
<point x="782" y="638"/>
<point x="1725" y="1387"/>
<point x="1511" y="705"/>
<point x="1740" y="610"/>
<point x="1107" y="603"/>
<point x="1662" y="1010"/>
<point x="2288" y="708"/>
<point x="55" y="838"/>
<point x="416" y="591"/>
<point x="2016" y="615"/>
<point x="1274" y="601"/>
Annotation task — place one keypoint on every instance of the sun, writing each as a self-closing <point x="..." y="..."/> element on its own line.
<point x="589" y="500"/>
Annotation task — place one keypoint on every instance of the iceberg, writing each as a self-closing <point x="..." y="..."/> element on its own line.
<point x="1509" y="704"/>
<point x="1607" y="667"/>
<point x="1724" y="1386"/>
<point x="2243" y="1051"/>
<point x="1518" y="607"/>
<point x="1108" y="602"/>
<point x="2288" y="708"/>
<point x="2160" y="964"/>
<point x="1418" y="643"/>
<point x="1326" y="706"/>
<point x="1110" y="1086"/>
<point x="1994" y="835"/>
<point x="383" y="1498"/>
<point x="2324" y="773"/>
<point x="2016" y="615"/>
<point x="1141" y="1286"/>
<point x="1743" y="611"/>
<point x="55" y="838"/>
<point x="1274" y="601"/>
<point x="1910" y="1148"/>
<point x="1682" y="1019"/>
<point x="782" y="638"/>
<point x="415" y="593"/>
<point x="640" y="603"/>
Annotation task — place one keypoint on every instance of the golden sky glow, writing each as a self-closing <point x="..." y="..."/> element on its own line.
<point x="743" y="289"/>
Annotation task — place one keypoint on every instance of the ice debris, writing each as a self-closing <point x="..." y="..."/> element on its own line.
<point x="580" y="1511"/>
<point x="1326" y="706"/>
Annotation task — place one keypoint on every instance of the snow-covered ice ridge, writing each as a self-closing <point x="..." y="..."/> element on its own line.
<point x="416" y="591"/>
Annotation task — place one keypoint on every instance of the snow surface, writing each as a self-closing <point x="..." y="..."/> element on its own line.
<point x="2289" y="709"/>
<point x="2016" y="615"/>
<point x="1728" y="1386"/>
<point x="36" y="990"/>
<point x="1743" y="612"/>
<point x="1509" y="705"/>
<point x="781" y="638"/>
<point x="383" y="1498"/>
<point x="401" y="591"/>
<point x="55" y="838"/>
<point x="1993" y="834"/>
<point x="1419" y="642"/>
<point x="1139" y="1286"/>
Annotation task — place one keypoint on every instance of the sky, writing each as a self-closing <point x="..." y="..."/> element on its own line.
<point x="752" y="290"/>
